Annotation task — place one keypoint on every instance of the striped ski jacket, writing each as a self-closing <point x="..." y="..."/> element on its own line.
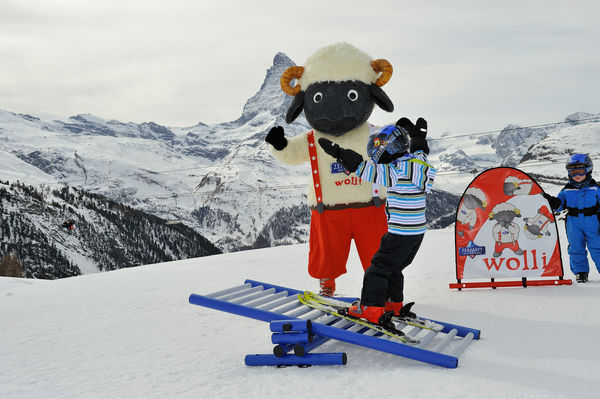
<point x="407" y="179"/>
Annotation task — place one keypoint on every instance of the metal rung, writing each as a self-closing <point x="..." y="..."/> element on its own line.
<point x="463" y="344"/>
<point x="249" y="298"/>
<point x="278" y="303"/>
<point x="355" y="328"/>
<point x="427" y="339"/>
<point x="271" y="298"/>
<point x="291" y="306"/>
<point x="444" y="342"/>
<point x="241" y="293"/>
<point x="341" y="323"/>
<point x="328" y="319"/>
<point x="302" y="311"/>
<point x="229" y="290"/>
<point x="400" y="326"/>
<point x="414" y="332"/>
<point x="315" y="315"/>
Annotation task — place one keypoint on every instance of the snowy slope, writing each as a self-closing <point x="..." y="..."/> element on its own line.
<point x="14" y="169"/>
<point x="132" y="333"/>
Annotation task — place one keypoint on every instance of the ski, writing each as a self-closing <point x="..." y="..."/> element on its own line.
<point x="411" y="321"/>
<point x="308" y="299"/>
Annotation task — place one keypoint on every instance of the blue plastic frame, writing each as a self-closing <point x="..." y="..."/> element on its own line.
<point x="323" y="330"/>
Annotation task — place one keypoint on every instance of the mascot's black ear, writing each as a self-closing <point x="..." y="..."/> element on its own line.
<point x="295" y="108"/>
<point x="381" y="99"/>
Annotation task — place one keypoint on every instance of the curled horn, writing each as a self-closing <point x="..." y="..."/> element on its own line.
<point x="293" y="72"/>
<point x="385" y="68"/>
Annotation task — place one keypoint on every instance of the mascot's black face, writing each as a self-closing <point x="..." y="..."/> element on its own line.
<point x="472" y="202"/>
<point x="509" y="189"/>
<point x="505" y="218"/>
<point x="534" y="229"/>
<point x="338" y="107"/>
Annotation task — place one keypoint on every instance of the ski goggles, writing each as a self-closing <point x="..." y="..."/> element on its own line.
<point x="577" y="172"/>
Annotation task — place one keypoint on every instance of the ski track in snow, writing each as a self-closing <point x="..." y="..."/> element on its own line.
<point x="131" y="333"/>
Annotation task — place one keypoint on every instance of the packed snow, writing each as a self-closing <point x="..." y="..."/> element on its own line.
<point x="132" y="333"/>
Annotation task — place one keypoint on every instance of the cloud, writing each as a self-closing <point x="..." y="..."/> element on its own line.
<point x="467" y="65"/>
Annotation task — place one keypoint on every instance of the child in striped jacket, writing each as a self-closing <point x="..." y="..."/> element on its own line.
<point x="407" y="176"/>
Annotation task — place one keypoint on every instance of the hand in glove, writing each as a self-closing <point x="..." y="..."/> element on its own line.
<point x="276" y="138"/>
<point x="348" y="158"/>
<point x="554" y="202"/>
<point x="417" y="133"/>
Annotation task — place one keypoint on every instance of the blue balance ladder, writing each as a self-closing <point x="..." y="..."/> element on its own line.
<point x="299" y="329"/>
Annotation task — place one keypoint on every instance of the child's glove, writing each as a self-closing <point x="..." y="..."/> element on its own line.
<point x="276" y="138"/>
<point x="348" y="158"/>
<point x="554" y="202"/>
<point x="417" y="133"/>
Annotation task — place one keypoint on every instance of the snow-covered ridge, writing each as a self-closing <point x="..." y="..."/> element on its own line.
<point x="540" y="151"/>
<point x="227" y="185"/>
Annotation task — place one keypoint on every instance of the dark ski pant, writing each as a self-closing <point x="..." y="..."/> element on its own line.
<point x="384" y="279"/>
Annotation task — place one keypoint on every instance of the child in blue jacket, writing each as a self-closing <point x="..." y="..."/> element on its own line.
<point x="581" y="198"/>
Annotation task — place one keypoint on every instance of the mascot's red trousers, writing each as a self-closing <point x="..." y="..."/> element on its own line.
<point x="331" y="233"/>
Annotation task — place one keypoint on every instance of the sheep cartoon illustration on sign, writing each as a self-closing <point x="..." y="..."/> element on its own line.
<point x="505" y="232"/>
<point x="466" y="217"/>
<point x="515" y="186"/>
<point x="537" y="226"/>
<point x="337" y="88"/>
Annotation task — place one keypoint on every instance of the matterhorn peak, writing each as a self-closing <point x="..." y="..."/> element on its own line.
<point x="270" y="98"/>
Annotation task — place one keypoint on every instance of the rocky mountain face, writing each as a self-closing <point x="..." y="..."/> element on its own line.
<point x="512" y="146"/>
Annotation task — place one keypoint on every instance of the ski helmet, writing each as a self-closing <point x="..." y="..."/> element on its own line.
<point x="390" y="139"/>
<point x="579" y="161"/>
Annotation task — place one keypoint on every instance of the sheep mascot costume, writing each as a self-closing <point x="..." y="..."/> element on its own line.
<point x="337" y="88"/>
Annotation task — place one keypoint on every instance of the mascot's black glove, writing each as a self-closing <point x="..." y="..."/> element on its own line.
<point x="554" y="202"/>
<point x="417" y="133"/>
<point x="348" y="158"/>
<point x="276" y="138"/>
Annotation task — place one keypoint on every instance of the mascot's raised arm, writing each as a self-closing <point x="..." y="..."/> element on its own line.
<point x="337" y="88"/>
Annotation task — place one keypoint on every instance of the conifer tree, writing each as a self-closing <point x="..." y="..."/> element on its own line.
<point x="10" y="266"/>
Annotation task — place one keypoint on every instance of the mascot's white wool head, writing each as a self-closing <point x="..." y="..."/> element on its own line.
<point x="338" y="63"/>
<point x="337" y="88"/>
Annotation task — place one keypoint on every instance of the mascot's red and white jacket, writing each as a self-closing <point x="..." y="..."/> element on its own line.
<point x="337" y="88"/>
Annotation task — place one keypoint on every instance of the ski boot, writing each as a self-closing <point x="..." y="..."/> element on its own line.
<point x="581" y="277"/>
<point x="404" y="314"/>
<point x="327" y="287"/>
<point x="400" y="310"/>
<point x="374" y="314"/>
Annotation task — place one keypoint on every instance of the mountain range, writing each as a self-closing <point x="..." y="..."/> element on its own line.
<point x="221" y="179"/>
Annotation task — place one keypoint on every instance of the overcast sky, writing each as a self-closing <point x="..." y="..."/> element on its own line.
<point x="466" y="66"/>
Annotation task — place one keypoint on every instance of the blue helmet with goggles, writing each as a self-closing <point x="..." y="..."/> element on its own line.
<point x="388" y="143"/>
<point x="579" y="164"/>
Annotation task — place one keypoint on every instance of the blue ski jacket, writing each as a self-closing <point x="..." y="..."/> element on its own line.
<point x="583" y="223"/>
<point x="580" y="203"/>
